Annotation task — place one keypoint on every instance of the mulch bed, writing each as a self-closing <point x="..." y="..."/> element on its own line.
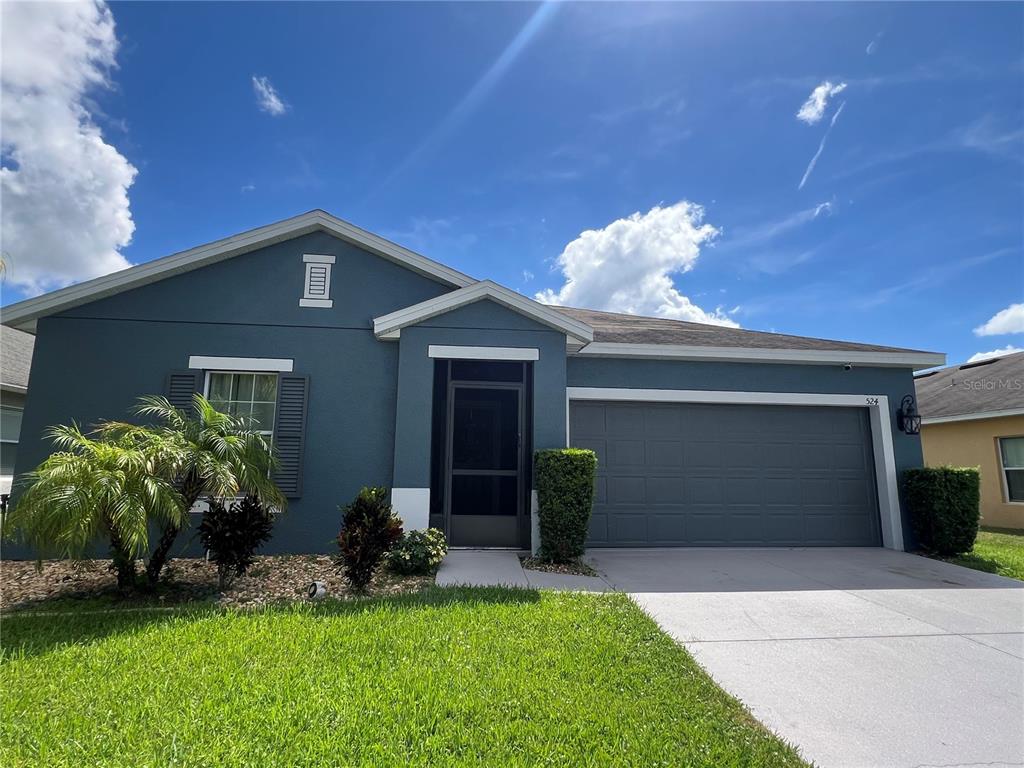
<point x="577" y="568"/>
<point x="63" y="583"/>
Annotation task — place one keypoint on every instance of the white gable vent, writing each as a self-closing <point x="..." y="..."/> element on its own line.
<point x="317" y="292"/>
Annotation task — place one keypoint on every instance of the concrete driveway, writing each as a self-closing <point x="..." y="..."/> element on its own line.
<point x="859" y="657"/>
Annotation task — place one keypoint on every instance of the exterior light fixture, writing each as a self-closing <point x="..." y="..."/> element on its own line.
<point x="908" y="420"/>
<point x="317" y="590"/>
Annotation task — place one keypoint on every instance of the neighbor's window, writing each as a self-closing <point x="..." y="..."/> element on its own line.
<point x="253" y="395"/>
<point x="1011" y="450"/>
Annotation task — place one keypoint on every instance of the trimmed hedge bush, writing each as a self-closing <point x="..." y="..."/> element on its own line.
<point x="565" y="497"/>
<point x="944" y="507"/>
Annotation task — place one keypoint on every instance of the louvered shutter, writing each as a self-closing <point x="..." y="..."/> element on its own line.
<point x="290" y="432"/>
<point x="181" y="385"/>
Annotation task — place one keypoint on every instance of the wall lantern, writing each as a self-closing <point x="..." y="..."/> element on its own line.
<point x="907" y="418"/>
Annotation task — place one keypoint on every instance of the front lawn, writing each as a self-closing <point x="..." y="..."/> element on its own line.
<point x="441" y="677"/>
<point x="1001" y="553"/>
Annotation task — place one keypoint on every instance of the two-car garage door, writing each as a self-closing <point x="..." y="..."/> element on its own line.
<point x="688" y="474"/>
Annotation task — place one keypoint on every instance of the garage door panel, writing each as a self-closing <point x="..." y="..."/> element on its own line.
<point x="665" y="490"/>
<point x="630" y="529"/>
<point x="623" y="490"/>
<point x="664" y="453"/>
<point x="729" y="475"/>
<point x="625" y="453"/>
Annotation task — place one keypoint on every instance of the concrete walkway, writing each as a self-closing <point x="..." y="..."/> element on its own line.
<point x="492" y="568"/>
<point x="859" y="657"/>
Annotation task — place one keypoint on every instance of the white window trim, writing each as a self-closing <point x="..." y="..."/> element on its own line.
<point x="243" y="364"/>
<point x="308" y="300"/>
<point x="878" y="410"/>
<point x="1003" y="468"/>
<point x="443" y="352"/>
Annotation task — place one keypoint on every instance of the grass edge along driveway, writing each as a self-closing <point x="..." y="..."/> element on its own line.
<point x="999" y="552"/>
<point x="448" y="676"/>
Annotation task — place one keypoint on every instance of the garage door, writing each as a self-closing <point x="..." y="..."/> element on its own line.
<point x="681" y="474"/>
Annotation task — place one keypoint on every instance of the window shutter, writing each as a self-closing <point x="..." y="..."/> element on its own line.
<point x="181" y="385"/>
<point x="290" y="432"/>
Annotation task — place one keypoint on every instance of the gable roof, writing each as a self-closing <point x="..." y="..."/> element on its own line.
<point x="24" y="314"/>
<point x="982" y="390"/>
<point x="15" y="359"/>
<point x="621" y="335"/>
<point x="390" y="326"/>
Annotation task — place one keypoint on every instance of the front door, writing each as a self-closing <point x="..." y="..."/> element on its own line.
<point x="484" y="489"/>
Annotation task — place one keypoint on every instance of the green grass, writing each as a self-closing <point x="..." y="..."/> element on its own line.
<point x="444" y="677"/>
<point x="1001" y="553"/>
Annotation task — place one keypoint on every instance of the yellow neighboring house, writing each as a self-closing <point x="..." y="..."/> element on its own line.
<point x="972" y="415"/>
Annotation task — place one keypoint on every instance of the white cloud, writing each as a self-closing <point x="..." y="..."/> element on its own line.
<point x="1009" y="320"/>
<point x="1009" y="349"/>
<point x="814" y="108"/>
<point x="628" y="265"/>
<point x="248" y="188"/>
<point x="527" y="275"/>
<point x="267" y="97"/>
<point x="821" y="147"/>
<point x="873" y="45"/>
<point x="65" y="211"/>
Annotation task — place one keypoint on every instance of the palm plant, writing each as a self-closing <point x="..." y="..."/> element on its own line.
<point x="217" y="455"/>
<point x="111" y="486"/>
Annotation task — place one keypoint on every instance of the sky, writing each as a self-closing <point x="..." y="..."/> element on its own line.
<point x="845" y="171"/>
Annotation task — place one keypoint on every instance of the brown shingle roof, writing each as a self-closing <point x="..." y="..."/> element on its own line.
<point x="982" y="387"/>
<point x="634" y="329"/>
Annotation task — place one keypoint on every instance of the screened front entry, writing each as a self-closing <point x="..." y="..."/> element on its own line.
<point x="479" y="452"/>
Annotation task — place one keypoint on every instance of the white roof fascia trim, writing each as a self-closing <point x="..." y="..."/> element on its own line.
<point x="390" y="326"/>
<point x="973" y="416"/>
<point x="915" y="360"/>
<point x="447" y="352"/>
<point x="23" y="314"/>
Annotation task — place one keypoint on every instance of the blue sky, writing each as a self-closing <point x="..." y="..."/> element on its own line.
<point x="491" y="136"/>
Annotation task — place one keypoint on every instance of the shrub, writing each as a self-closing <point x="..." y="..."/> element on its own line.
<point x="944" y="507"/>
<point x="418" y="553"/>
<point x="369" y="528"/>
<point x="565" y="496"/>
<point x="233" y="534"/>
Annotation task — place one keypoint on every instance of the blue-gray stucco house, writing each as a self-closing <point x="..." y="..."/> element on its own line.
<point x="373" y="365"/>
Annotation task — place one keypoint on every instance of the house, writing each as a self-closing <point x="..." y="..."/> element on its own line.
<point x="15" y="361"/>
<point x="370" y="364"/>
<point x="972" y="415"/>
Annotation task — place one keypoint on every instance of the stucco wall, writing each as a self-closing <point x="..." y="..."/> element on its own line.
<point x="973" y="444"/>
<point x="93" y="361"/>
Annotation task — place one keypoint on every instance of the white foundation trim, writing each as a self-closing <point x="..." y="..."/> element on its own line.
<point x="878" y="409"/>
<point x="482" y="353"/>
<point x="413" y="506"/>
<point x="205" y="362"/>
<point x="910" y="359"/>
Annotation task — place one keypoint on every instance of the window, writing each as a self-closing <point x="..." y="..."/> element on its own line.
<point x="1011" y="452"/>
<point x="317" y="292"/>
<point x="252" y="395"/>
<point x="10" y="431"/>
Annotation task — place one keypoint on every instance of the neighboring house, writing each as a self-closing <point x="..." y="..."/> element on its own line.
<point x="15" y="361"/>
<point x="369" y="364"/>
<point x="972" y="415"/>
